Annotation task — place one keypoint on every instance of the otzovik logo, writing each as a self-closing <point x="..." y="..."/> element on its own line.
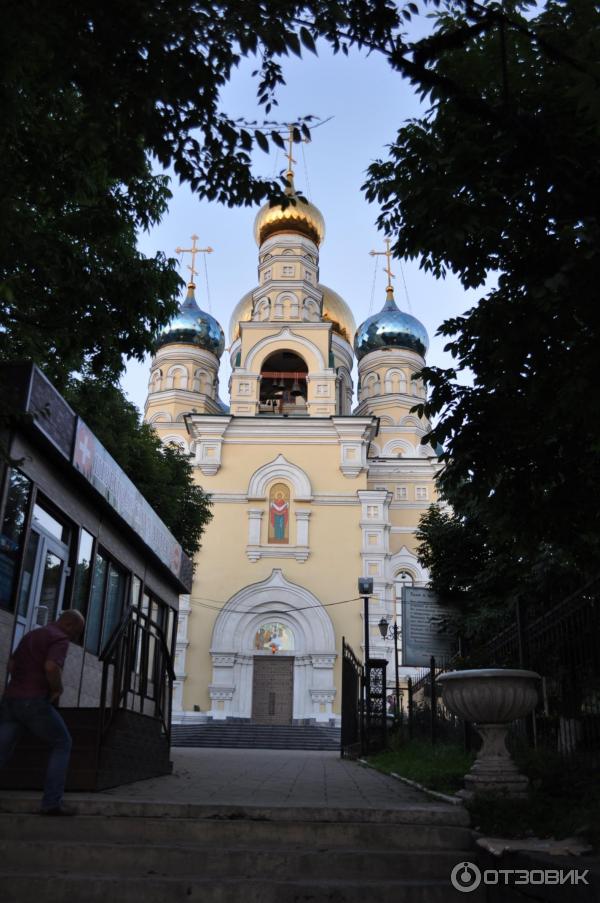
<point x="465" y="877"/>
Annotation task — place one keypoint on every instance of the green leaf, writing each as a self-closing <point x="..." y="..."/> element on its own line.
<point x="262" y="141"/>
<point x="308" y="40"/>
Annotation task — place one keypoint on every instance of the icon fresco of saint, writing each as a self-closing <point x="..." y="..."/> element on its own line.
<point x="279" y="510"/>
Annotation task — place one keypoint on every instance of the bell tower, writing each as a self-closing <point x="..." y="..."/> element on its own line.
<point x="184" y="374"/>
<point x="285" y="359"/>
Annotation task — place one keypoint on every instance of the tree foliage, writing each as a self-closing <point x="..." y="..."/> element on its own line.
<point x="163" y="474"/>
<point x="501" y="181"/>
<point x="93" y="97"/>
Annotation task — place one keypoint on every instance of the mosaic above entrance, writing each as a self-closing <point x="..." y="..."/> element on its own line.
<point x="273" y="637"/>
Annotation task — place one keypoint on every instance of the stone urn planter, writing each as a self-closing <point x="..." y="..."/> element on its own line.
<point x="491" y="698"/>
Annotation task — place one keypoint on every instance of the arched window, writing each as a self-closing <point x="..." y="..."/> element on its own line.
<point x="155" y="381"/>
<point x="177" y="377"/>
<point x="403" y="578"/>
<point x="283" y="387"/>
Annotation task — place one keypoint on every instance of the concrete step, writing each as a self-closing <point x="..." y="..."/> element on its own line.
<point x="208" y="861"/>
<point x="98" y="888"/>
<point x="237" y="735"/>
<point x="239" y="831"/>
<point x="153" y="852"/>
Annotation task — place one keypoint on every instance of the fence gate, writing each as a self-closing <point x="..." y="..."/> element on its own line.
<point x="376" y="715"/>
<point x="352" y="715"/>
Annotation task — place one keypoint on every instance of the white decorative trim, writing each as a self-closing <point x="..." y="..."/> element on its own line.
<point x="354" y="437"/>
<point x="220" y="692"/>
<point x="172" y="439"/>
<point x="321" y="697"/>
<point x="256" y="552"/>
<point x="275" y="598"/>
<point x="255" y="516"/>
<point x="284" y="335"/>
<point x="394" y="445"/>
<point x="181" y="646"/>
<point x="407" y="560"/>
<point x="209" y="431"/>
<point x="280" y="469"/>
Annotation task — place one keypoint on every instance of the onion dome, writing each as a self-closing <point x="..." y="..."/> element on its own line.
<point x="338" y="313"/>
<point x="391" y="328"/>
<point x="335" y="310"/>
<point x="192" y="326"/>
<point x="299" y="216"/>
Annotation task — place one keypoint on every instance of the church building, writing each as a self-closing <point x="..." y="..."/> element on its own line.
<point x="312" y="484"/>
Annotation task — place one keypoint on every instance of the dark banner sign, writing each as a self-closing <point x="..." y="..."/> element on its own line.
<point x="422" y="628"/>
<point x="92" y="460"/>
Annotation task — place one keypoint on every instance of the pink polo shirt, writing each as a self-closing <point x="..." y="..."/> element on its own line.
<point x="28" y="679"/>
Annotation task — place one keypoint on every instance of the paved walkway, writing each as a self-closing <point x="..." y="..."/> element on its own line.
<point x="258" y="778"/>
<point x="267" y="777"/>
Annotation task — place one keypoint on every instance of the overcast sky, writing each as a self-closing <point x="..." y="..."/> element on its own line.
<point x="368" y="103"/>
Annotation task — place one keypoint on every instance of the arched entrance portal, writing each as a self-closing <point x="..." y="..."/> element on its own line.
<point x="280" y="622"/>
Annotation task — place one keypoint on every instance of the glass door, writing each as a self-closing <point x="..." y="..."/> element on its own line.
<point x="43" y="580"/>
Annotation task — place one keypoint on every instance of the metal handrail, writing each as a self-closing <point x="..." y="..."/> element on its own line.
<point x="127" y="652"/>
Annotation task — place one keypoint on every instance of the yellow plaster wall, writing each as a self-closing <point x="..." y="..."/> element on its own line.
<point x="319" y="461"/>
<point x="319" y="337"/>
<point x="330" y="573"/>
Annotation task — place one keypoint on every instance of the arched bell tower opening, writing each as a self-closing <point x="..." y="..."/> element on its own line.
<point x="283" y="384"/>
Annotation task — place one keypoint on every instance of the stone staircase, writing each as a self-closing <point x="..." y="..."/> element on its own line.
<point x="141" y="852"/>
<point x="248" y="735"/>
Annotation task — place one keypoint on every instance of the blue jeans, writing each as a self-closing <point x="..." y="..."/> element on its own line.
<point x="41" y="718"/>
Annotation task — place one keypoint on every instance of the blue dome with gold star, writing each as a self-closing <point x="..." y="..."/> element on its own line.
<point x="192" y="326"/>
<point x="391" y="328"/>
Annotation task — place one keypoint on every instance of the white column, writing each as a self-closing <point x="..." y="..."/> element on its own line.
<point x="254" y="521"/>
<point x="302" y="518"/>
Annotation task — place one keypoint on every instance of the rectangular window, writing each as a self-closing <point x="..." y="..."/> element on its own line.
<point x="50" y="522"/>
<point x="116" y="586"/>
<point x="401" y="493"/>
<point x="421" y="493"/>
<point x="94" y="622"/>
<point x="109" y="587"/>
<point x="12" y="533"/>
<point x="381" y="488"/>
<point x="83" y="572"/>
<point x="134" y="596"/>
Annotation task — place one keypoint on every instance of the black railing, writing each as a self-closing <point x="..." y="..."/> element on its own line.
<point x="352" y="739"/>
<point x="137" y="672"/>
<point x="561" y="643"/>
<point x="426" y="716"/>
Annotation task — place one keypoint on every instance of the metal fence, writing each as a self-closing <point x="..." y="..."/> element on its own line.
<point x="426" y="717"/>
<point x="561" y="643"/>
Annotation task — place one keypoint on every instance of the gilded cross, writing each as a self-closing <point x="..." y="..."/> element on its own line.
<point x="193" y="251"/>
<point x="290" y="157"/>
<point x="388" y="255"/>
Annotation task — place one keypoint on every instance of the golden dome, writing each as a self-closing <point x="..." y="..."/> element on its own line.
<point x="335" y="310"/>
<point x="301" y="217"/>
<point x="241" y="313"/>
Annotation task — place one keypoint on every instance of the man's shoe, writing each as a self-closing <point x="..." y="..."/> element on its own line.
<point x="58" y="810"/>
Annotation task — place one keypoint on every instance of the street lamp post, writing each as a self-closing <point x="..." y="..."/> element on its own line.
<point x="365" y="588"/>
<point x="383" y="629"/>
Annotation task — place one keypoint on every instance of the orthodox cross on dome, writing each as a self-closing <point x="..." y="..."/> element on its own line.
<point x="193" y="251"/>
<point x="388" y="268"/>
<point x="290" y="157"/>
<point x="290" y="154"/>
